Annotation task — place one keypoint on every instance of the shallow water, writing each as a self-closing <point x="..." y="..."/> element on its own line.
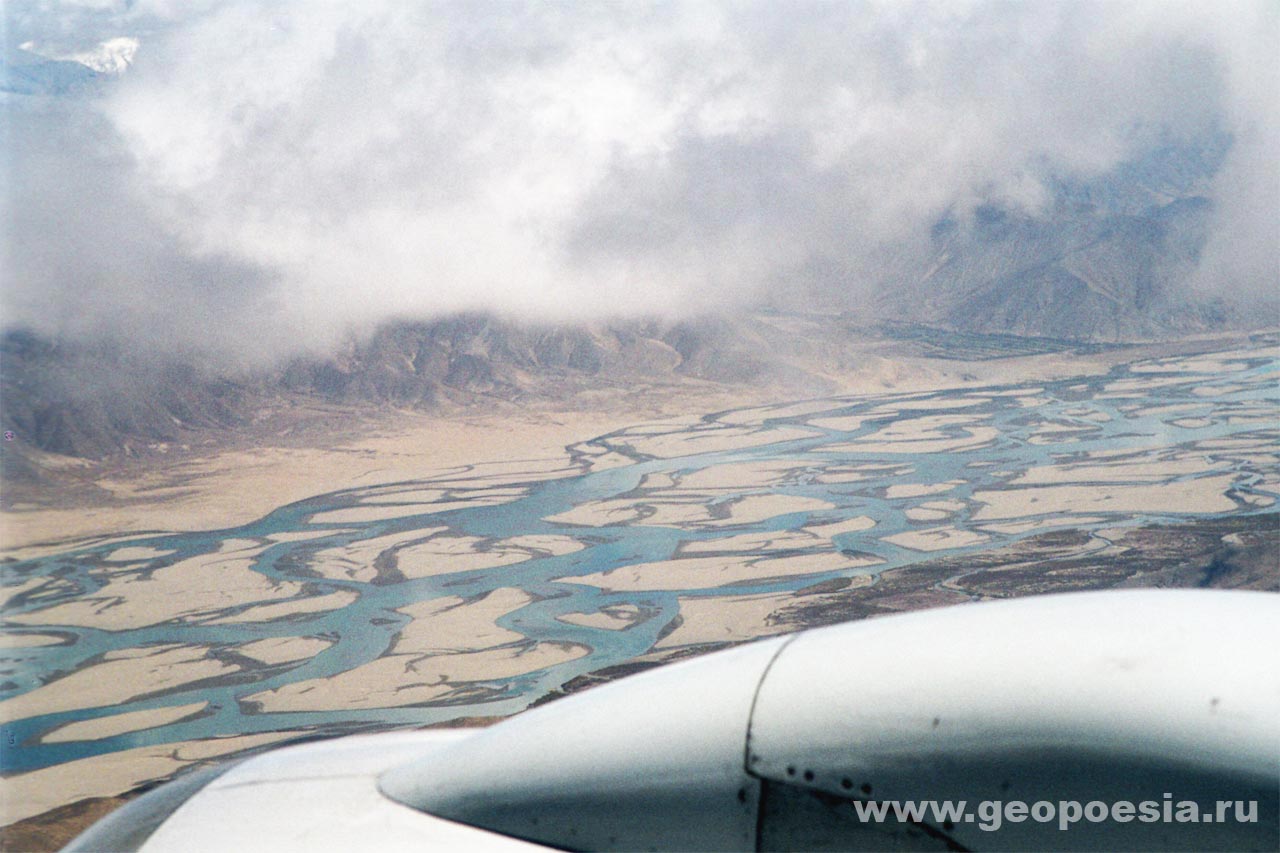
<point x="364" y="630"/>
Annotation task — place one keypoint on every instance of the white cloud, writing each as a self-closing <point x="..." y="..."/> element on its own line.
<point x="378" y="159"/>
<point x="112" y="56"/>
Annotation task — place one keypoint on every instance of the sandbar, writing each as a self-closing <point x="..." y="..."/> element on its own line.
<point x="1143" y="383"/>
<point x="9" y="593"/>
<point x="1018" y="527"/>
<point x="355" y="560"/>
<point x="843" y="423"/>
<point x="194" y="587"/>
<point x="760" y="414"/>
<point x="453" y="624"/>
<point x="118" y="724"/>
<point x="363" y="514"/>
<point x="769" y="540"/>
<point x="119" y="678"/>
<point x="813" y="536"/>
<point x="725" y="618"/>
<point x="915" y="490"/>
<point x="1170" y="409"/>
<point x="448" y="554"/>
<point x="304" y="535"/>
<point x="398" y="680"/>
<point x="936" y="539"/>
<point x="656" y="512"/>
<point x="285" y="609"/>
<point x="929" y="403"/>
<point x="613" y="617"/>
<point x="754" y="508"/>
<point x="606" y="461"/>
<point x="935" y="510"/>
<point x="1204" y="495"/>
<point x="693" y="509"/>
<point x="710" y="440"/>
<point x="129" y="553"/>
<point x="235" y="487"/>
<point x="838" y="528"/>
<point x="18" y="640"/>
<point x="277" y="650"/>
<point x="1138" y="470"/>
<point x="409" y="496"/>
<point x="741" y="475"/>
<point x="973" y="438"/>
<point x="442" y="555"/>
<point x="711" y="572"/>
<point x="116" y="773"/>
<point x="450" y="641"/>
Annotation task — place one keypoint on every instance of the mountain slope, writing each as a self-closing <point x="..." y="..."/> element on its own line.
<point x="1110" y="261"/>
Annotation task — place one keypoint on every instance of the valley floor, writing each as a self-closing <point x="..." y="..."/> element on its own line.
<point x="398" y="463"/>
<point x="231" y="479"/>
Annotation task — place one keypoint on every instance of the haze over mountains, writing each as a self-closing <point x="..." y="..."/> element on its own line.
<point x="422" y="207"/>
<point x="1114" y="259"/>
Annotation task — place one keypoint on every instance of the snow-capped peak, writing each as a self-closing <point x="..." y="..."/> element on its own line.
<point x="112" y="56"/>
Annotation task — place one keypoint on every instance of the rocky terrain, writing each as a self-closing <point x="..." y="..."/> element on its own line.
<point x="87" y="401"/>
<point x="1109" y="261"/>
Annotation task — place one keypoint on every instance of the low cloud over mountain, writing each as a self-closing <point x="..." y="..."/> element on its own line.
<point x="257" y="180"/>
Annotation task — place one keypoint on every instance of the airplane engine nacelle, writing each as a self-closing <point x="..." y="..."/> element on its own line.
<point x="1145" y="697"/>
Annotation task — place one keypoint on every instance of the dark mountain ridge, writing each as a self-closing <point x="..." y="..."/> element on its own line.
<point x="1110" y="260"/>
<point x="95" y="400"/>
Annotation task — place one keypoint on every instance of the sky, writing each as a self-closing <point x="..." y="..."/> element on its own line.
<point x="253" y="179"/>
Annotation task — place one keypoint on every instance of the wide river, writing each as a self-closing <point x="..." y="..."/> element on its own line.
<point x="1219" y="414"/>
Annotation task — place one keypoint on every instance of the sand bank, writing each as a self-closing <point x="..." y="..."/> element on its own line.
<point x="936" y="539"/>
<point x="757" y="415"/>
<point x="692" y="509"/>
<point x="935" y="510"/>
<point x="839" y="528"/>
<point x="725" y="618"/>
<point x="235" y="487"/>
<point x="116" y="773"/>
<point x="448" y="554"/>
<point x="1020" y="527"/>
<point x="117" y="724"/>
<point x="191" y="588"/>
<point x="1204" y="495"/>
<point x="1138" y="470"/>
<point x="129" y="554"/>
<point x="929" y="403"/>
<point x="772" y="540"/>
<point x="740" y="475"/>
<point x="453" y="624"/>
<point x="667" y="512"/>
<point x="398" y="680"/>
<point x="711" y="572"/>
<point x="380" y="512"/>
<point x="813" y="536"/>
<point x="614" y="617"/>
<point x="712" y="439"/>
<point x="118" y="678"/>
<point x="450" y="643"/>
<point x="284" y="609"/>
<point x="18" y="640"/>
<point x="841" y="423"/>
<point x="277" y="650"/>
<point x="915" y="490"/>
<point x="355" y="560"/>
